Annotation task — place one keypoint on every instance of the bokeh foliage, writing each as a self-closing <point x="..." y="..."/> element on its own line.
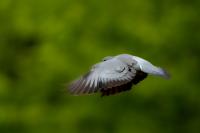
<point x="46" y="44"/>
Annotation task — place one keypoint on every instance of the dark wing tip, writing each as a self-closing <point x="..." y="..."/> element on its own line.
<point x="78" y="86"/>
<point x="73" y="87"/>
<point x="82" y="87"/>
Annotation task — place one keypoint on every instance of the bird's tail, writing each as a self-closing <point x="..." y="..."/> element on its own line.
<point x="149" y="68"/>
<point x="161" y="72"/>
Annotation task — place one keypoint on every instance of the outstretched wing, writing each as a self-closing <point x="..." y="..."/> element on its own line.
<point x="105" y="75"/>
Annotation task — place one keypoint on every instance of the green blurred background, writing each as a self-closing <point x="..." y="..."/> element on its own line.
<point x="46" y="44"/>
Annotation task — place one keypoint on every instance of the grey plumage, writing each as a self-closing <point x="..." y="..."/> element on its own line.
<point x="114" y="75"/>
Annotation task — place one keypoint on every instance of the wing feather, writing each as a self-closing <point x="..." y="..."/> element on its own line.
<point x="105" y="75"/>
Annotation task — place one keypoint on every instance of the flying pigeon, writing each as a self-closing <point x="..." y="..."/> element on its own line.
<point x="114" y="75"/>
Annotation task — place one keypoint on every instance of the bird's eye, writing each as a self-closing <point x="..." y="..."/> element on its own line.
<point x="106" y="58"/>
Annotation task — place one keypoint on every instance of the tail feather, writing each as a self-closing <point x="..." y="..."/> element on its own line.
<point x="164" y="73"/>
<point x="149" y="68"/>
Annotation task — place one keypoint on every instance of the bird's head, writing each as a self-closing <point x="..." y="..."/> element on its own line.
<point x="107" y="58"/>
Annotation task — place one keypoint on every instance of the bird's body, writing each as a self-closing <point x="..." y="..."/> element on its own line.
<point x="114" y="75"/>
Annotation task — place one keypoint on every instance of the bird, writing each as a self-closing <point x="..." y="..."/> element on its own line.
<point x="115" y="74"/>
